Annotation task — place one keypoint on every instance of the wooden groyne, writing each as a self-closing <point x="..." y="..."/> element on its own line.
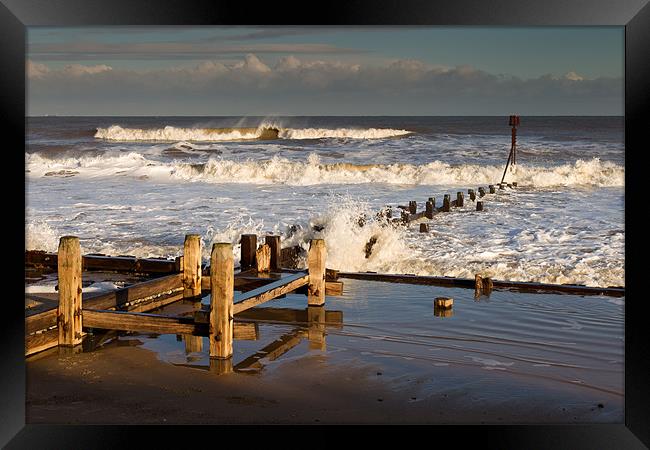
<point x="65" y="320"/>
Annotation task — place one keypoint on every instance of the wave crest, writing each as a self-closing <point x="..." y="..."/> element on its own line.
<point x="263" y="132"/>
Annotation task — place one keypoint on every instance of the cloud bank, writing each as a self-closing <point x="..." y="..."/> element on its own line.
<point x="298" y="86"/>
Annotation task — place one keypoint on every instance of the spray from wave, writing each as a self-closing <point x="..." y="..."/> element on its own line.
<point x="263" y="132"/>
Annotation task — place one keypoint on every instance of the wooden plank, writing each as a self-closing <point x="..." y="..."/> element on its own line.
<point x="101" y="262"/>
<point x="41" y="321"/>
<point x="269" y="292"/>
<point x="41" y="341"/>
<point x="142" y="322"/>
<point x="520" y="286"/>
<point x="157" y="323"/>
<point x="120" y="297"/>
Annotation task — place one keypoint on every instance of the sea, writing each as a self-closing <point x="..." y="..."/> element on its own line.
<point x="138" y="185"/>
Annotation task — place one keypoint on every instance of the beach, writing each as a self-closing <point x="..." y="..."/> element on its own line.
<point x="392" y="361"/>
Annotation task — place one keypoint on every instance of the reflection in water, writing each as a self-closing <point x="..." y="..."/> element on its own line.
<point x="310" y="324"/>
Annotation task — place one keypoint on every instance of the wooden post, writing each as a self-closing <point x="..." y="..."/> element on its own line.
<point x="276" y="252"/>
<point x="413" y="207"/>
<point x="316" y="265"/>
<point x="481" y="192"/>
<point x="192" y="266"/>
<point x="263" y="258"/>
<point x="405" y="216"/>
<point x="428" y="212"/>
<point x="222" y="284"/>
<point x="460" y="199"/>
<point x="492" y="190"/>
<point x="514" y="184"/>
<point x="389" y="212"/>
<point x="479" y="206"/>
<point x="433" y="201"/>
<point x="472" y="195"/>
<point x="446" y="201"/>
<point x="248" y="248"/>
<point x="69" y="310"/>
<point x="502" y="185"/>
<point x="424" y="228"/>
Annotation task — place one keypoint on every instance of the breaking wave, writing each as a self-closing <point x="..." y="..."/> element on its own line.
<point x="279" y="170"/>
<point x="263" y="132"/>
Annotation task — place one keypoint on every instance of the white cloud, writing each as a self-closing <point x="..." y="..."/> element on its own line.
<point x="292" y="80"/>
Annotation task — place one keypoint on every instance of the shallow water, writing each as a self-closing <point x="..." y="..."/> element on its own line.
<point x="540" y="342"/>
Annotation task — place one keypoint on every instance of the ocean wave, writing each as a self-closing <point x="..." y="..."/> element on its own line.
<point x="279" y="170"/>
<point x="264" y="131"/>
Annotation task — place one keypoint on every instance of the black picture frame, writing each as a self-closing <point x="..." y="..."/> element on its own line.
<point x="634" y="15"/>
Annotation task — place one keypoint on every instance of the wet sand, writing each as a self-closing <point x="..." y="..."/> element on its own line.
<point x="124" y="384"/>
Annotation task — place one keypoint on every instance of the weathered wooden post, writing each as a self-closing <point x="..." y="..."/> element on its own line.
<point x="433" y="201"/>
<point x="276" y="252"/>
<point x="446" y="203"/>
<point x="248" y="249"/>
<point x="460" y="199"/>
<point x="424" y="228"/>
<point x="316" y="266"/>
<point x="222" y="285"/>
<point x="413" y="207"/>
<point x="428" y="211"/>
<point x="263" y="258"/>
<point x="492" y="190"/>
<point x="389" y="212"/>
<point x="405" y="216"/>
<point x="479" y="206"/>
<point x="472" y="195"/>
<point x="192" y="266"/>
<point x="442" y="307"/>
<point x="502" y="185"/>
<point x="69" y="310"/>
<point x="481" y="192"/>
<point x="514" y="184"/>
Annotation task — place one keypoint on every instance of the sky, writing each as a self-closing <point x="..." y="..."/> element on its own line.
<point x="262" y="71"/>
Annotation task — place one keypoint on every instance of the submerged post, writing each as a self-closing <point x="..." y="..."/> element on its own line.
<point x="481" y="192"/>
<point x="248" y="249"/>
<point x="316" y="266"/>
<point x="192" y="266"/>
<point x="222" y="284"/>
<point x="460" y="199"/>
<point x="69" y="310"/>
<point x="472" y="195"/>
<point x="276" y="252"/>
<point x="428" y="212"/>
<point x="492" y="190"/>
<point x="413" y="207"/>
<point x="479" y="206"/>
<point x="446" y="203"/>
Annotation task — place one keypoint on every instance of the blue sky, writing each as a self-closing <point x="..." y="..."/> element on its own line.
<point x="385" y="70"/>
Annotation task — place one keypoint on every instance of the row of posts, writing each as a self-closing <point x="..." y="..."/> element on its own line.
<point x="430" y="205"/>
